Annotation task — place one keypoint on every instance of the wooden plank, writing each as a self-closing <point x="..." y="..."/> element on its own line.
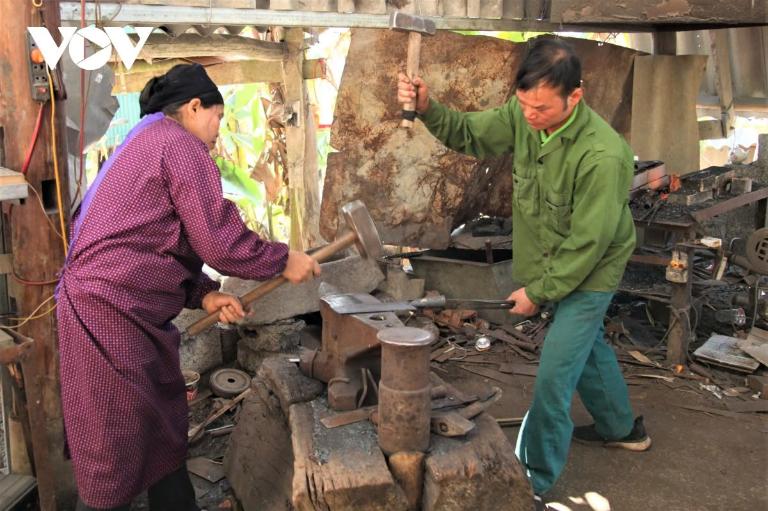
<point x="160" y="46"/>
<point x="12" y="185"/>
<point x="225" y="73"/>
<point x="703" y="215"/>
<point x="13" y="488"/>
<point x="38" y="250"/>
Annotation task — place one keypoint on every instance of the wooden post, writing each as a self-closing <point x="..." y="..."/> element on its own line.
<point x="37" y="250"/>
<point x="680" y="314"/>
<point x="723" y="81"/>
<point x="301" y="146"/>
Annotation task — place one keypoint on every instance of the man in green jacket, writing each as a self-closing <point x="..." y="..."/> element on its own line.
<point x="572" y="236"/>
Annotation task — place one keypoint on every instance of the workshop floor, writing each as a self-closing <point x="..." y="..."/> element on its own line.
<point x="698" y="462"/>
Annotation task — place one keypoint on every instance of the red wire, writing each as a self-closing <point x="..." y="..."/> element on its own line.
<point x="33" y="282"/>
<point x="33" y="143"/>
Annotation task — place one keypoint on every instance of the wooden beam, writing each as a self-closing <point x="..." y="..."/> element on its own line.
<point x="117" y="14"/>
<point x="733" y="12"/>
<point x="301" y="146"/>
<point x="225" y="73"/>
<point x="160" y="46"/>
<point x="710" y="130"/>
<point x="38" y="251"/>
<point x="723" y="81"/>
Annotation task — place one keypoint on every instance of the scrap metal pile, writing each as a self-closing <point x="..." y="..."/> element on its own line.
<point x="697" y="282"/>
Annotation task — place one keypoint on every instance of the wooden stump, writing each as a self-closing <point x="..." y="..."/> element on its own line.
<point x="339" y="469"/>
<point x="478" y="472"/>
<point x="278" y="464"/>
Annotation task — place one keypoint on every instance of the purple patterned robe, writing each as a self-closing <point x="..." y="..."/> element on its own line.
<point x="155" y="215"/>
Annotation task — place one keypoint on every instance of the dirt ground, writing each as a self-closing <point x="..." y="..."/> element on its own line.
<point x="698" y="461"/>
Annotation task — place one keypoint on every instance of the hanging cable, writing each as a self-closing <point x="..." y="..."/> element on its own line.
<point x="33" y="143"/>
<point x="56" y="164"/>
<point x="34" y="315"/>
<point x="42" y="207"/>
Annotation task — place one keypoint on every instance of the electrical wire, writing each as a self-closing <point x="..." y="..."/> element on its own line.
<point x="33" y="143"/>
<point x="42" y="206"/>
<point x="32" y="316"/>
<point x="56" y="163"/>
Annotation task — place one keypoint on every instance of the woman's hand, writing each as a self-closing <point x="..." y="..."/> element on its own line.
<point x="229" y="306"/>
<point x="300" y="267"/>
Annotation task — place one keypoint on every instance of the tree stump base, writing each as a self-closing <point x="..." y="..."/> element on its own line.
<point x="282" y="459"/>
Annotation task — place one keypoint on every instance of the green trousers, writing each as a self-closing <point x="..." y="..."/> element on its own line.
<point x="575" y="356"/>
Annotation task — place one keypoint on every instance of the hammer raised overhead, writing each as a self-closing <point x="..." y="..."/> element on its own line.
<point x="415" y="26"/>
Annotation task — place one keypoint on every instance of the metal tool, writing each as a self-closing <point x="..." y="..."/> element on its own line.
<point x="362" y="233"/>
<point x="404" y="390"/>
<point x="415" y="26"/>
<point x="457" y="422"/>
<point x="428" y="302"/>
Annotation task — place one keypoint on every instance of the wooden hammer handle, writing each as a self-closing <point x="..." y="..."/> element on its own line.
<point x="412" y="70"/>
<point x="254" y="294"/>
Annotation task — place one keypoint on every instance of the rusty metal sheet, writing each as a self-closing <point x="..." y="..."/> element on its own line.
<point x="416" y="190"/>
<point x="659" y="11"/>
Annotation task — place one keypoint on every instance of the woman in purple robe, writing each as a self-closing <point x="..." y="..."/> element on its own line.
<point x="154" y="214"/>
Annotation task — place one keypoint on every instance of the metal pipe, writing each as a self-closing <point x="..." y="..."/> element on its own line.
<point x="404" y="390"/>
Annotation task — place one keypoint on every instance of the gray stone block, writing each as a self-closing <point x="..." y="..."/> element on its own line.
<point x="283" y="336"/>
<point x="400" y="286"/>
<point x="202" y="352"/>
<point x="350" y="275"/>
<point x="250" y="360"/>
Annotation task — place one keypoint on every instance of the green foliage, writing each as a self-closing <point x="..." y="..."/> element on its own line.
<point x="243" y="140"/>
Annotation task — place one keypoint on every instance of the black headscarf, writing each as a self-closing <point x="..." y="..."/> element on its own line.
<point x="180" y="84"/>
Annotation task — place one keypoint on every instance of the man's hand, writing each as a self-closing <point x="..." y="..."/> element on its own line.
<point x="229" y="306"/>
<point x="523" y="305"/>
<point x="409" y="91"/>
<point x="300" y="268"/>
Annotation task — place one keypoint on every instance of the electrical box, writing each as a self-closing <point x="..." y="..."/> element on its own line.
<point x="38" y="77"/>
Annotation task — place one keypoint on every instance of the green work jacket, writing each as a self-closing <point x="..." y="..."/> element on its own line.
<point x="572" y="227"/>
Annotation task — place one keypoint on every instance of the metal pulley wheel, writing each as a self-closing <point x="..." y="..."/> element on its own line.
<point x="757" y="250"/>
<point x="228" y="382"/>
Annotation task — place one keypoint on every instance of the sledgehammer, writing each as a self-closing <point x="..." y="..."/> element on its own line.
<point x="361" y="232"/>
<point x="415" y="26"/>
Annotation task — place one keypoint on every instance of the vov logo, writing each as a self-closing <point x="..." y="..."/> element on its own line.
<point x="75" y="38"/>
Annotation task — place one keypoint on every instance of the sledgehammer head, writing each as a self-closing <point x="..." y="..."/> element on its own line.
<point x="367" y="240"/>
<point x="410" y="23"/>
